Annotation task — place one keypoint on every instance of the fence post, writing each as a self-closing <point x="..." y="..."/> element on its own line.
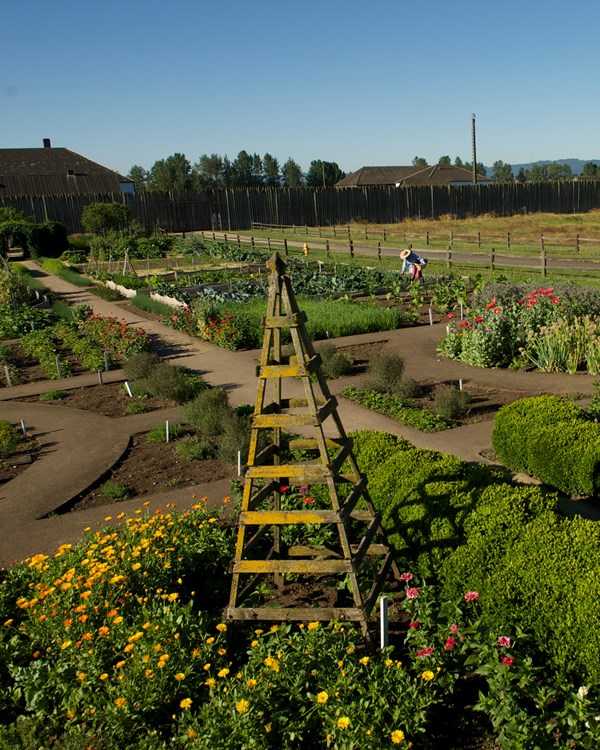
<point x="542" y="248"/>
<point x="543" y="260"/>
<point x="449" y="257"/>
<point x="214" y="238"/>
<point x="451" y="238"/>
<point x="366" y="233"/>
<point x="384" y="236"/>
<point x="478" y="239"/>
<point x="577" y="244"/>
<point x="493" y="259"/>
<point x="351" y="244"/>
<point x="349" y="236"/>
<point x="508" y="240"/>
<point x="379" y="251"/>
<point x="269" y="243"/>
<point x="334" y="235"/>
<point x="239" y="243"/>
<point x="285" y="245"/>
<point x="225" y="238"/>
<point x="327" y="248"/>
<point x="293" y="229"/>
<point x="319" y="231"/>
<point x="252" y="242"/>
<point x="427" y="238"/>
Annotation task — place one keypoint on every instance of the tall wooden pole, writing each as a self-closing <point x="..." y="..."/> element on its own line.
<point x="474" y="150"/>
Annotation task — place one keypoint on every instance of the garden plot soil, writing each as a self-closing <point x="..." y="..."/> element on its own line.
<point x="149" y="468"/>
<point x="110" y="400"/>
<point x="26" y="370"/>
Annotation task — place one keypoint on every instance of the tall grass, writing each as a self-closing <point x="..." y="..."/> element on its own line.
<point x="326" y="319"/>
<point x="146" y="303"/>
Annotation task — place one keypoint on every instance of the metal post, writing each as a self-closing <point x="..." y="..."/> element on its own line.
<point x="383" y="608"/>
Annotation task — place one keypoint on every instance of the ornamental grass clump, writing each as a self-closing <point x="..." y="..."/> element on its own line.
<point x="451" y="403"/>
<point x="384" y="372"/>
<point x="334" y="363"/>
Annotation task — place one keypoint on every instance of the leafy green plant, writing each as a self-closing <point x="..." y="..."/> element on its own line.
<point x="207" y="412"/>
<point x="452" y="403"/>
<point x="384" y="372"/>
<point x="395" y="407"/>
<point x="136" y="407"/>
<point x="194" y="448"/>
<point x="52" y="395"/>
<point x="115" y="490"/>
<point x="9" y="438"/>
<point x="171" y="382"/>
<point x="139" y="365"/>
<point x="334" y="364"/>
<point x="158" y="434"/>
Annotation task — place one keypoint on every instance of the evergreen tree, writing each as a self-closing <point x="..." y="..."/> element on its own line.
<point x="291" y="174"/>
<point x="271" y="170"/>
<point x="323" y="173"/>
<point x="139" y="176"/>
<point x="502" y="172"/>
<point x="172" y="173"/>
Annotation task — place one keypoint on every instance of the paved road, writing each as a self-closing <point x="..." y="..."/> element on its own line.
<point x="78" y="447"/>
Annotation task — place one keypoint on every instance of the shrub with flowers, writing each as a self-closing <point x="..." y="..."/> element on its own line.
<point x="553" y="328"/>
<point x="115" y="335"/>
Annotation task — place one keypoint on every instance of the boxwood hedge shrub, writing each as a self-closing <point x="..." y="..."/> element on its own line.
<point x="538" y="574"/>
<point x="425" y="497"/>
<point x="566" y="455"/>
<point x="516" y="424"/>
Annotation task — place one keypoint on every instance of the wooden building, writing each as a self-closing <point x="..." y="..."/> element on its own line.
<point x="51" y="171"/>
<point x="437" y="174"/>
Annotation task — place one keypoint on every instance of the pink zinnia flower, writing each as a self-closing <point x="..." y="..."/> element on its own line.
<point x="412" y="593"/>
<point x="508" y="660"/>
<point x="406" y="577"/>
<point x="450" y="643"/>
<point x="425" y="651"/>
<point x="504" y="641"/>
<point x="471" y="596"/>
<point x="414" y="624"/>
<point x="449" y="316"/>
<point x="453" y="628"/>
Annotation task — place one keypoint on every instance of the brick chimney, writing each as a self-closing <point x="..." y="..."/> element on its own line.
<point x="47" y="143"/>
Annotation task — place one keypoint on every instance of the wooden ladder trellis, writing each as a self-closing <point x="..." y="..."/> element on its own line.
<point x="260" y="550"/>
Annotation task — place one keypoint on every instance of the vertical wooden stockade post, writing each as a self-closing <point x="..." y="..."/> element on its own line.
<point x="261" y="551"/>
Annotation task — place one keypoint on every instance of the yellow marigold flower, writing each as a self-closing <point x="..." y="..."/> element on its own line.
<point x="223" y="672"/>
<point x="313" y="625"/>
<point x="259" y="631"/>
<point x="272" y="663"/>
<point x="428" y="675"/>
<point x="120" y="665"/>
<point x="149" y="673"/>
<point x="242" y="706"/>
<point x="397" y="736"/>
<point x="322" y="697"/>
<point x="365" y="660"/>
<point x="146" y="625"/>
<point x="210" y="640"/>
<point x="136" y="566"/>
<point x="103" y="631"/>
<point x="267" y="728"/>
<point x="274" y="628"/>
<point x="103" y="676"/>
<point x="388" y="662"/>
<point x="196" y="653"/>
<point x="206" y="667"/>
<point x="222" y="651"/>
<point x="81" y="675"/>
<point x="185" y="703"/>
<point x="343" y="722"/>
<point x="146" y="658"/>
<point x="118" y="620"/>
<point x="65" y="645"/>
<point x="251" y="683"/>
<point x="120" y="702"/>
<point x="129" y="647"/>
<point x="8" y="623"/>
<point x="180" y="676"/>
<point x="70" y="714"/>
<point x="221" y="627"/>
<point x="135" y="637"/>
<point x="191" y="734"/>
<point x="254" y="644"/>
<point x="173" y="597"/>
<point x="211" y="682"/>
<point x="350" y="649"/>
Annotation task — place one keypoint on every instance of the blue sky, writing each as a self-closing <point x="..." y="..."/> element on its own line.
<point x="133" y="81"/>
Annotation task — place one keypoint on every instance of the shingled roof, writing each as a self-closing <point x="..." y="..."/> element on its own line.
<point x="55" y="171"/>
<point x="438" y="174"/>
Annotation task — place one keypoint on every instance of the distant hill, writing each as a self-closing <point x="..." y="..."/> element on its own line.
<point x="575" y="164"/>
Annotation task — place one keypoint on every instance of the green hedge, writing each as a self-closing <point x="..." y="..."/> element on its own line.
<point x="392" y="406"/>
<point x="516" y="424"/>
<point x="425" y="497"/>
<point x="567" y="456"/>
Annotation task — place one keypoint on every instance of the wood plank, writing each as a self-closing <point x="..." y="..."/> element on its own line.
<point x="309" y="444"/>
<point x="287" y="517"/>
<point x="313" y="567"/>
<point x="284" y="321"/>
<point x="299" y="614"/>
<point x="299" y="473"/>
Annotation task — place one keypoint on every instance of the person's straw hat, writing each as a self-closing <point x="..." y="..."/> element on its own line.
<point x="404" y="254"/>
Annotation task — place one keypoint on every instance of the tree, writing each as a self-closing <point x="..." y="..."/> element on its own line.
<point x="102" y="218"/>
<point x="172" y="173"/>
<point x="291" y="174"/>
<point x="419" y="161"/>
<point x="537" y="173"/>
<point x="208" y="172"/>
<point x="590" y="168"/>
<point x="445" y="160"/>
<point x="522" y="175"/>
<point x="322" y="173"/>
<point x="139" y="175"/>
<point x="502" y="172"/>
<point x="271" y="170"/>
<point x="243" y="170"/>
<point x="559" y="172"/>
<point x="480" y="168"/>
<point x="458" y="162"/>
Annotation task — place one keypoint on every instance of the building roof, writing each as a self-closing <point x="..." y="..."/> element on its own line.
<point x="437" y="174"/>
<point x="54" y="171"/>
